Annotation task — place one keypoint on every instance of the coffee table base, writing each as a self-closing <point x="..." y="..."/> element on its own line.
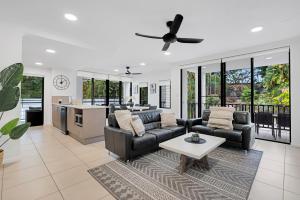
<point x="186" y="162"/>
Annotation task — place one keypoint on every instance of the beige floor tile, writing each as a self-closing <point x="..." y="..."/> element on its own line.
<point x="291" y="196"/>
<point x="269" y="177"/>
<point x="31" y="190"/>
<point x="108" y="197"/>
<point x="62" y="165"/>
<point x="54" y="196"/>
<point x="57" y="155"/>
<point x="25" y="175"/>
<point x="83" y="149"/>
<point x="262" y="191"/>
<point x="292" y="184"/>
<point x="292" y="170"/>
<point x="13" y="165"/>
<point x="99" y="162"/>
<point x="272" y="165"/>
<point x="292" y="159"/>
<point x="93" y="156"/>
<point x="89" y="189"/>
<point x="71" y="176"/>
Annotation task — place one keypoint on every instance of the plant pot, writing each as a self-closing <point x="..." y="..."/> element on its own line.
<point x="1" y="156"/>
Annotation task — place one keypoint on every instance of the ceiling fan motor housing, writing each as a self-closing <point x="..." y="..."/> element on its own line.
<point x="169" y="38"/>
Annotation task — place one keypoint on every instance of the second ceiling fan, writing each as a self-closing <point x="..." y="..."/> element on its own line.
<point x="171" y="36"/>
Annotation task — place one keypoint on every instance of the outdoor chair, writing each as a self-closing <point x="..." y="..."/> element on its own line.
<point x="264" y="120"/>
<point x="283" y="121"/>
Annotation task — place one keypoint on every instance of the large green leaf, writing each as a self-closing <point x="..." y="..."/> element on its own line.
<point x="18" y="131"/>
<point x="11" y="76"/>
<point x="9" y="98"/>
<point x="8" y="127"/>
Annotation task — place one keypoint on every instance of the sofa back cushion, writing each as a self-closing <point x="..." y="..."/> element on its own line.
<point x="241" y="117"/>
<point x="149" y="116"/>
<point x="150" y="119"/>
<point x="205" y="115"/>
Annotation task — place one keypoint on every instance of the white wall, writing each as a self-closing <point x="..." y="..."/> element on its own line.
<point x="149" y="78"/>
<point x="294" y="44"/>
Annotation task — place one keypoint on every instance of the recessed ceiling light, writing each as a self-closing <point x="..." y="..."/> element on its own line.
<point x="71" y="17"/>
<point x="269" y="58"/>
<point x="257" y="29"/>
<point x="50" y="51"/>
<point x="167" y="53"/>
<point x="39" y="63"/>
<point x="142" y="64"/>
<point x="116" y="70"/>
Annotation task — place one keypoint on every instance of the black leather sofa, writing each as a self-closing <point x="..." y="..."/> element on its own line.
<point x="127" y="146"/>
<point x="242" y="135"/>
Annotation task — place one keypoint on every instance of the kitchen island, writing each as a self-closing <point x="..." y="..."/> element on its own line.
<point x="84" y="123"/>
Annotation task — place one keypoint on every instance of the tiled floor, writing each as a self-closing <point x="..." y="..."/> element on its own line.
<point x="48" y="165"/>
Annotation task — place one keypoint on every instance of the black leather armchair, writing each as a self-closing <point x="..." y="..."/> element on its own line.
<point x="243" y="133"/>
<point x="127" y="146"/>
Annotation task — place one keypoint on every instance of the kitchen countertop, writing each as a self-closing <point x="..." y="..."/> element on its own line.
<point x="81" y="106"/>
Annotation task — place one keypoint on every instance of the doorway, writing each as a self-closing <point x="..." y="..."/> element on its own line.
<point x="143" y="95"/>
<point x="32" y="100"/>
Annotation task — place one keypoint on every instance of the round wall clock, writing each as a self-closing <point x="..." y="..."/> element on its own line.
<point x="61" y="82"/>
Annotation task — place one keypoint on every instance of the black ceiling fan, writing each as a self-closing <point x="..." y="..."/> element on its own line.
<point x="171" y="36"/>
<point x="129" y="72"/>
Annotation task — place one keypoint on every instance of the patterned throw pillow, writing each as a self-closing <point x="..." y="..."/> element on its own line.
<point x="124" y="119"/>
<point x="137" y="125"/>
<point x="221" y="117"/>
<point x="168" y="119"/>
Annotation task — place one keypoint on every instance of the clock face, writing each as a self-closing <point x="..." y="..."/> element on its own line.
<point x="61" y="82"/>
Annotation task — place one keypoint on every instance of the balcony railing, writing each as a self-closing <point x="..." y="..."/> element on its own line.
<point x="26" y="103"/>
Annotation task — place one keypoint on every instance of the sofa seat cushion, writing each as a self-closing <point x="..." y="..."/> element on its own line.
<point x="161" y="134"/>
<point x="176" y="130"/>
<point x="144" y="142"/>
<point x="234" y="135"/>
<point x="202" y="129"/>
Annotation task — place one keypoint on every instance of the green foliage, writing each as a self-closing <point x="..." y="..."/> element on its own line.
<point x="18" y="131"/>
<point x="10" y="78"/>
<point x="212" y="101"/>
<point x="31" y="87"/>
<point x="8" y="127"/>
<point x="191" y="93"/>
<point x="9" y="98"/>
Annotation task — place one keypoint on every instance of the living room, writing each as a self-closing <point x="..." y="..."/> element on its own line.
<point x="222" y="75"/>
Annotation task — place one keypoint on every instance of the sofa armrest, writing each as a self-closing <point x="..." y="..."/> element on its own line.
<point x="118" y="141"/>
<point x="181" y="122"/>
<point x="248" y="136"/>
<point x="193" y="122"/>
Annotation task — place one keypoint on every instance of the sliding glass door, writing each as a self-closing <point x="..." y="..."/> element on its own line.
<point x="100" y="92"/>
<point x="258" y="83"/>
<point x="87" y="91"/>
<point x="238" y="84"/>
<point x="210" y="85"/>
<point x="272" y="96"/>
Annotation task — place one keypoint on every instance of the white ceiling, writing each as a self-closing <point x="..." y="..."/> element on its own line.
<point x="103" y="37"/>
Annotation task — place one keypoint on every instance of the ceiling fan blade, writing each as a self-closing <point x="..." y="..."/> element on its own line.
<point x="189" y="40"/>
<point x="176" y="24"/>
<point x="137" y="73"/>
<point x="166" y="46"/>
<point x="147" y="36"/>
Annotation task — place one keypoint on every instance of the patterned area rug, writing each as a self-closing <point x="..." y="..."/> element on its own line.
<point x="155" y="176"/>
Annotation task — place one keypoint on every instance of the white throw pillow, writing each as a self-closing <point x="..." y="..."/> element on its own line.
<point x="124" y="119"/>
<point x="221" y="117"/>
<point x="137" y="125"/>
<point x="168" y="119"/>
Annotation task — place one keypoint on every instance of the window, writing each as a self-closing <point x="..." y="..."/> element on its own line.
<point x="114" y="92"/>
<point x="87" y="91"/>
<point x="165" y="94"/>
<point x="100" y="92"/>
<point x="143" y="95"/>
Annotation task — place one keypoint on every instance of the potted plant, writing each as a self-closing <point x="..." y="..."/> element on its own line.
<point x="10" y="78"/>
